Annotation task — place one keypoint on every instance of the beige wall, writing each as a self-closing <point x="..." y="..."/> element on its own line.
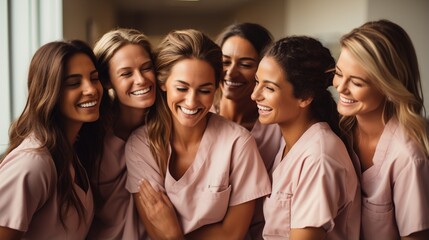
<point x="413" y="16"/>
<point x="87" y="20"/>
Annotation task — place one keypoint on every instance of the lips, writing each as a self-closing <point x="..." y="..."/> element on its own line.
<point x="141" y="91"/>
<point x="346" y="100"/>
<point x="189" y="111"/>
<point x="264" y="108"/>
<point x="87" y="104"/>
<point x="233" y="84"/>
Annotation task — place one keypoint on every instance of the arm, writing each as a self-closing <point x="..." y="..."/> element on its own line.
<point x="157" y="213"/>
<point x="422" y="235"/>
<point x="309" y="233"/>
<point x="234" y="225"/>
<point x="10" y="234"/>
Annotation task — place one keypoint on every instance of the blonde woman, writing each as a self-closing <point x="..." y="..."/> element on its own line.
<point x="381" y="103"/>
<point x="127" y="70"/>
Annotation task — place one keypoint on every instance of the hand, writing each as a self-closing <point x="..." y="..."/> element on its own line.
<point x="159" y="211"/>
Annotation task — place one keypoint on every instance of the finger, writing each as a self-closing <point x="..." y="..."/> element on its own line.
<point x="167" y="200"/>
<point x="144" y="193"/>
<point x="151" y="191"/>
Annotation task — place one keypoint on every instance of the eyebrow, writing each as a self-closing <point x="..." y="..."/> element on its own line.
<point x="353" y="76"/>
<point x="268" y="81"/>
<point x="202" y="85"/>
<point x="77" y="75"/>
<point x="243" y="58"/>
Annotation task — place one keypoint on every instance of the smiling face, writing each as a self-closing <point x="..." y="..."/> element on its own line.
<point x="357" y="94"/>
<point x="132" y="77"/>
<point x="274" y="94"/>
<point x="81" y="92"/>
<point x="190" y="89"/>
<point x="240" y="61"/>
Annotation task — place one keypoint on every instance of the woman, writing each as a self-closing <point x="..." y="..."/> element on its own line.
<point x="208" y="167"/>
<point x="126" y="66"/>
<point x="381" y="103"/>
<point x="44" y="187"/>
<point x="315" y="191"/>
<point x="243" y="45"/>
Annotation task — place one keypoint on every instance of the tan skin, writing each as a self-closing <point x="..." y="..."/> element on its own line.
<point x="185" y="89"/>
<point x="240" y="61"/>
<point x="87" y="89"/>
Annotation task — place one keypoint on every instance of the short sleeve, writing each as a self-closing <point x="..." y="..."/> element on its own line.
<point x="249" y="177"/>
<point x="319" y="194"/>
<point x="140" y="162"/>
<point x="26" y="182"/>
<point x="411" y="197"/>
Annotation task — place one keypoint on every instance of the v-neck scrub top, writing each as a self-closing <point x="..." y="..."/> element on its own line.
<point x="227" y="171"/>
<point x="28" y="196"/>
<point x="395" y="190"/>
<point x="115" y="213"/>
<point x="314" y="185"/>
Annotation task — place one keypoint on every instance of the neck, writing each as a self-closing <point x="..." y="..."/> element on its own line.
<point x="370" y="126"/>
<point x="127" y="120"/>
<point x="187" y="137"/>
<point x="243" y="112"/>
<point x="72" y="131"/>
<point x="292" y="131"/>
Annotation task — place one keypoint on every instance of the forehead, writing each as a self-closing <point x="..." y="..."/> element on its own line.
<point x="192" y="71"/>
<point x="348" y="63"/>
<point x="237" y="45"/>
<point x="79" y="62"/>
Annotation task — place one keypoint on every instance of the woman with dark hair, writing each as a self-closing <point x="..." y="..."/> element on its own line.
<point x="381" y="103"/>
<point x="197" y="164"/>
<point x="45" y="191"/>
<point x="315" y="193"/>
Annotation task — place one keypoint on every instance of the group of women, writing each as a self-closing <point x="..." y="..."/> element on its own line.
<point x="234" y="139"/>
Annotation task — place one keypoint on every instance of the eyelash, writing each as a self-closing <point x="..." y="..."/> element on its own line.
<point x="203" y="91"/>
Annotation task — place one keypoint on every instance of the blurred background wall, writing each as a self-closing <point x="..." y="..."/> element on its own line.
<point x="27" y="24"/>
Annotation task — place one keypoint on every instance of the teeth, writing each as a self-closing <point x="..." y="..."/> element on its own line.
<point x="189" y="111"/>
<point x="141" y="92"/>
<point x="87" y="104"/>
<point x="233" y="84"/>
<point x="345" y="100"/>
<point x="263" y="108"/>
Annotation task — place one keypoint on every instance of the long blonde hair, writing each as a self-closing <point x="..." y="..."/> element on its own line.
<point x="387" y="54"/>
<point x="176" y="46"/>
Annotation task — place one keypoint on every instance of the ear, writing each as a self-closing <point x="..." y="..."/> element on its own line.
<point x="303" y="103"/>
<point x="163" y="88"/>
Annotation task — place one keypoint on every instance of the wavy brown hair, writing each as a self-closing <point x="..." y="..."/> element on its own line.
<point x="42" y="119"/>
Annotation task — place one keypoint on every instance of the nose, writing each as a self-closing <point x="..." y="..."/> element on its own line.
<point x="256" y="95"/>
<point x="139" y="79"/>
<point x="340" y="84"/>
<point x="89" y="87"/>
<point x="231" y="70"/>
<point x="191" y="99"/>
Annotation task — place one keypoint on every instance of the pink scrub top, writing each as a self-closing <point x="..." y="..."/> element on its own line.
<point x="395" y="190"/>
<point x="314" y="185"/>
<point x="28" y="201"/>
<point x="115" y="214"/>
<point x="227" y="171"/>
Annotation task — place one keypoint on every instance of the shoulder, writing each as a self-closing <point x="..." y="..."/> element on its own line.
<point x="29" y="163"/>
<point x="222" y="127"/>
<point x="138" y="136"/>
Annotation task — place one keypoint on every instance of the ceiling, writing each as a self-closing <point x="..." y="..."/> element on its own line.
<point x="180" y="6"/>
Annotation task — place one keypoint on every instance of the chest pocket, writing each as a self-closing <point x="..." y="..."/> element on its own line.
<point x="378" y="220"/>
<point x="213" y="205"/>
<point x="277" y="209"/>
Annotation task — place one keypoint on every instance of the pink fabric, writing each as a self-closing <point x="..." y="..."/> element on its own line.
<point x="227" y="171"/>
<point x="268" y="138"/>
<point x="29" y="196"/>
<point x="314" y="185"/>
<point x="115" y="214"/>
<point x="395" y="190"/>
